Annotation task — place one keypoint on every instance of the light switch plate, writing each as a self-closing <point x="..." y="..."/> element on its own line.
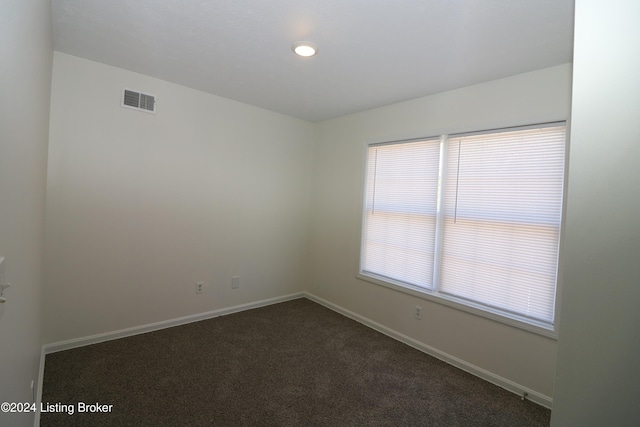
<point x="1" y="270"/>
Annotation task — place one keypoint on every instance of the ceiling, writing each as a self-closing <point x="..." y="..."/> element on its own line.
<point x="371" y="52"/>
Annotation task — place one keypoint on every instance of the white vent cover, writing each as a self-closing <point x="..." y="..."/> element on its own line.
<point x="138" y="101"/>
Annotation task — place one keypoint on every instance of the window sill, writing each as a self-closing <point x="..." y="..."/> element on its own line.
<point x="528" y="325"/>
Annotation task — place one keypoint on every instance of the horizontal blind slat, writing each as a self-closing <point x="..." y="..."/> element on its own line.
<point x="502" y="208"/>
<point x="400" y="211"/>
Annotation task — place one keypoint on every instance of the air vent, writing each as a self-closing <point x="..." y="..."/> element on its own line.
<point x="139" y="101"/>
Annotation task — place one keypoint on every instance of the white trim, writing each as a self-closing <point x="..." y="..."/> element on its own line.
<point x="136" y="330"/>
<point x="549" y="330"/>
<point x="560" y="274"/>
<point x="508" y="385"/>
<point x="500" y="316"/>
<point x="36" y="418"/>
<point x="442" y="177"/>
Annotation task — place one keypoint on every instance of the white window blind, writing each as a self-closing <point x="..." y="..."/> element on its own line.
<point x="492" y="238"/>
<point x="400" y="211"/>
<point x="502" y="211"/>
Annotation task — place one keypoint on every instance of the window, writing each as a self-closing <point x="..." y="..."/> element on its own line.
<point x="471" y="219"/>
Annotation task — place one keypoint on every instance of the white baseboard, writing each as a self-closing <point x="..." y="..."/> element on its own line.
<point x="36" y="419"/>
<point x="509" y="385"/>
<point x="122" y="333"/>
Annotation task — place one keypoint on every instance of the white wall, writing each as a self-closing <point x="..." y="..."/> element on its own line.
<point x="599" y="353"/>
<point x="25" y="85"/>
<point x="142" y="206"/>
<point x="521" y="357"/>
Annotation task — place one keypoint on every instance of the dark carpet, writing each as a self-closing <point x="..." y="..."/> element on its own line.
<point x="291" y="364"/>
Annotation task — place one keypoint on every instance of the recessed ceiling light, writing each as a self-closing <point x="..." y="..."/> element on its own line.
<point x="305" y="48"/>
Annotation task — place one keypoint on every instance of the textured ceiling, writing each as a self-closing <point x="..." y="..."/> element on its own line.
<point x="372" y="52"/>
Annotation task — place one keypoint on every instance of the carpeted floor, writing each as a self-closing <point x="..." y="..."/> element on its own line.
<point x="290" y="364"/>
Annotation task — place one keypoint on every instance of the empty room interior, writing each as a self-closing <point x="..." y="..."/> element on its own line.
<point x="168" y="162"/>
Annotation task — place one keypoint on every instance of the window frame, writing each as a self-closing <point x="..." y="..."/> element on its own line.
<point x="522" y="322"/>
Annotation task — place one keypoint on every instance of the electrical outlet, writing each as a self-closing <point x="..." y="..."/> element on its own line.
<point x="418" y="312"/>
<point x="235" y="282"/>
<point x="199" y="287"/>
